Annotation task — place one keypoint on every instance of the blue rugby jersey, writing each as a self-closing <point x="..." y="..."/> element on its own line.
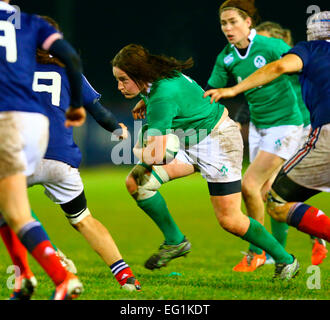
<point x="52" y="83"/>
<point x="18" y="59"/>
<point x="314" y="79"/>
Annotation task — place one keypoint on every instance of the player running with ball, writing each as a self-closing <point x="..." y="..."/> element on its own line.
<point x="308" y="172"/>
<point x="212" y="144"/>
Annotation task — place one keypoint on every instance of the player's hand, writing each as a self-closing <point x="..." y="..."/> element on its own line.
<point x="124" y="134"/>
<point x="139" y="111"/>
<point x="222" y="93"/>
<point x="75" y="117"/>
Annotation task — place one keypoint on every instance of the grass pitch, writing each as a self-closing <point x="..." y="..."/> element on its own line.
<point x="206" y="273"/>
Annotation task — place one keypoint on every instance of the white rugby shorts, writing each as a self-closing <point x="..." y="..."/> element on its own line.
<point x="23" y="142"/>
<point x="62" y="182"/>
<point x="310" y="165"/>
<point x="282" y="141"/>
<point x="219" y="156"/>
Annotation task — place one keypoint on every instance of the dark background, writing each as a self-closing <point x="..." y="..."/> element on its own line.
<point x="181" y="28"/>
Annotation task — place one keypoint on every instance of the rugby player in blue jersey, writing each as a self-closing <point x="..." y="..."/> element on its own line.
<point x="24" y="133"/>
<point x="64" y="157"/>
<point x="307" y="173"/>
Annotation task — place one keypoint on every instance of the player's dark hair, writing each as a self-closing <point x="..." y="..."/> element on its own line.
<point x="144" y="67"/>
<point x="43" y="57"/>
<point x="245" y="8"/>
<point x="276" y="31"/>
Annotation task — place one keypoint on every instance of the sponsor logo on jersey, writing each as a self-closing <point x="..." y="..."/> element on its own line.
<point x="228" y="59"/>
<point x="259" y="61"/>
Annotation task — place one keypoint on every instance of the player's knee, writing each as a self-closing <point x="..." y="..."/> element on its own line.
<point x="83" y="223"/>
<point x="131" y="184"/>
<point x="76" y="210"/>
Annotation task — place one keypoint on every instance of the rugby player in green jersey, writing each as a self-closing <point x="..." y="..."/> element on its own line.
<point x="211" y="144"/>
<point x="276" y="121"/>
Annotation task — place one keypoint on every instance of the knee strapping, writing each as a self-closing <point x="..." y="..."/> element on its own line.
<point x="150" y="183"/>
<point x="76" y="210"/>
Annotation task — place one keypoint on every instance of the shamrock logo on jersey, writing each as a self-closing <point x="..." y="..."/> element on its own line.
<point x="259" y="61"/>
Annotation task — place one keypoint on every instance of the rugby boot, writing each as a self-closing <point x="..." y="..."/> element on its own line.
<point x="166" y="253"/>
<point x="69" y="289"/>
<point x="24" y="287"/>
<point x="319" y="251"/>
<point x="250" y="262"/>
<point x="284" y="271"/>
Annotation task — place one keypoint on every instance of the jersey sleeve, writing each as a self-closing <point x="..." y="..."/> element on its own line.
<point x="302" y="50"/>
<point x="89" y="94"/>
<point x="219" y="76"/>
<point x="160" y="114"/>
<point x="44" y="31"/>
<point x="279" y="48"/>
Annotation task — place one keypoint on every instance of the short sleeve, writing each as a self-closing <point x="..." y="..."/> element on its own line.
<point x="160" y="114"/>
<point x="219" y="75"/>
<point x="302" y="51"/>
<point x="90" y="95"/>
<point x="43" y="30"/>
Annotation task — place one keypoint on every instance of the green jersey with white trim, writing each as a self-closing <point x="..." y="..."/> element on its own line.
<point x="273" y="104"/>
<point x="177" y="105"/>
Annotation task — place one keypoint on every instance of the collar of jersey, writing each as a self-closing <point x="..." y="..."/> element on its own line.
<point x="251" y="37"/>
<point x="4" y="6"/>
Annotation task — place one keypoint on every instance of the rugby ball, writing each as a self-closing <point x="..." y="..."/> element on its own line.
<point x="172" y="143"/>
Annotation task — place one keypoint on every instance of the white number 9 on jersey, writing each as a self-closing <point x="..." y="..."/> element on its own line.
<point x="54" y="89"/>
<point x="8" y="40"/>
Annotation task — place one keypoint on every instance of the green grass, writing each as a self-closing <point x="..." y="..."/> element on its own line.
<point x="206" y="273"/>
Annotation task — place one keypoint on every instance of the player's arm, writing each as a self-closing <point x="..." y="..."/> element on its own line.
<point x="106" y="119"/>
<point x="61" y="49"/>
<point x="291" y="63"/>
<point x="154" y="152"/>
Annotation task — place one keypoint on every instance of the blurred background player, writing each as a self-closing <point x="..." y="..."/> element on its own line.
<point x="307" y="173"/>
<point x="24" y="134"/>
<point x="63" y="157"/>
<point x="276" y="121"/>
<point x="211" y="144"/>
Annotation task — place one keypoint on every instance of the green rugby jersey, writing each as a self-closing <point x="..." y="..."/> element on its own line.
<point x="303" y="109"/>
<point x="177" y="104"/>
<point x="273" y="104"/>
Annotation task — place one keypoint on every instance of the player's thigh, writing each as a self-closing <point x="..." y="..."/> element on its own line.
<point x="263" y="167"/>
<point x="178" y="169"/>
<point x="24" y="138"/>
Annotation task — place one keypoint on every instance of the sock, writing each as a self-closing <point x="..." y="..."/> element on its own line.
<point x="156" y="208"/>
<point x="260" y="237"/>
<point x="37" y="243"/>
<point x="310" y="220"/>
<point x="36" y="218"/>
<point x="279" y="231"/>
<point x="121" y="271"/>
<point x="255" y="249"/>
<point x="17" y="251"/>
